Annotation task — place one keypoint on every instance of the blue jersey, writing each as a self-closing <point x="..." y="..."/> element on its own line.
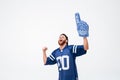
<point x="65" y="60"/>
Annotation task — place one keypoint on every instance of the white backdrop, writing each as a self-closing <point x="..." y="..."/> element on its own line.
<point x="28" y="25"/>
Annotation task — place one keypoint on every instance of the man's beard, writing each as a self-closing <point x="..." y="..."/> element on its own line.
<point x="61" y="43"/>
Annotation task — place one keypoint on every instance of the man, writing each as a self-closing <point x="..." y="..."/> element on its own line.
<point x="66" y="54"/>
<point x="65" y="57"/>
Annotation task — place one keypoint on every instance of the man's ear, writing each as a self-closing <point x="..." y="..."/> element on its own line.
<point x="66" y="41"/>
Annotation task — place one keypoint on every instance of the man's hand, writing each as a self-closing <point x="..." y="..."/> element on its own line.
<point x="44" y="49"/>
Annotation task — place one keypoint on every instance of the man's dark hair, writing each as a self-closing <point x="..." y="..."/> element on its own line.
<point x="65" y="37"/>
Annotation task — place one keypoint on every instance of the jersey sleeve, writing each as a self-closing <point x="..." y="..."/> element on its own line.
<point x="78" y="50"/>
<point x="51" y="59"/>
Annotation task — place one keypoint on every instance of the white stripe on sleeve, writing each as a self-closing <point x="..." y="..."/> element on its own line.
<point x="52" y="57"/>
<point x="75" y="49"/>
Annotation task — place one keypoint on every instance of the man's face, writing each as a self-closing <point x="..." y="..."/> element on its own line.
<point x="62" y="40"/>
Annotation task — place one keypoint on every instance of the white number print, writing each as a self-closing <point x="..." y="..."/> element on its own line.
<point x="63" y="62"/>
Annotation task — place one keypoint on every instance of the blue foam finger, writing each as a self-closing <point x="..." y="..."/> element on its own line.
<point x="82" y="26"/>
